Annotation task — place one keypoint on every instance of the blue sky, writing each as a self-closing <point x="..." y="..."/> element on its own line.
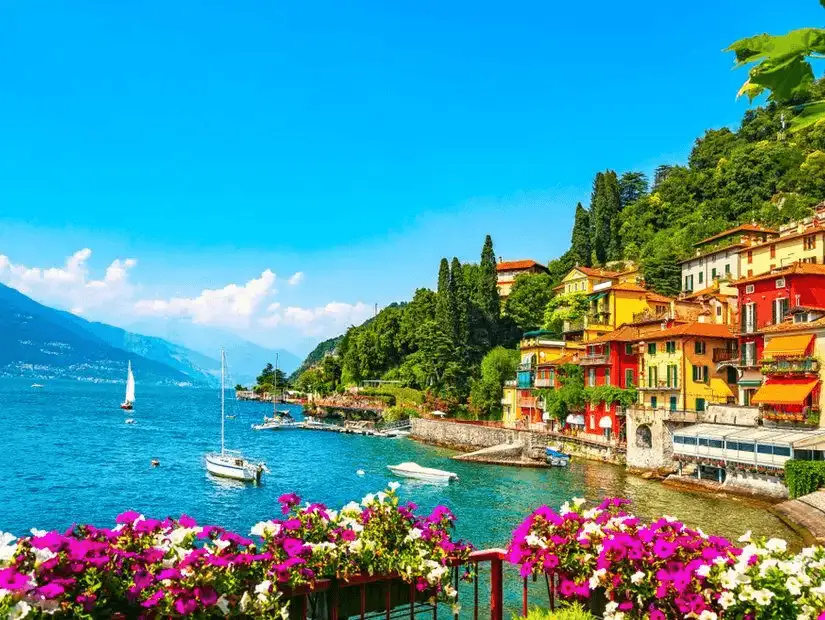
<point x="354" y="144"/>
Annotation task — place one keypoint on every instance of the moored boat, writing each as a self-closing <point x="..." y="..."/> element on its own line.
<point x="129" y="401"/>
<point x="556" y="458"/>
<point x="414" y="470"/>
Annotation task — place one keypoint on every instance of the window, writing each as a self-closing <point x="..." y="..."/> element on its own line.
<point x="701" y="275"/>
<point x="700" y="404"/>
<point x="652" y="376"/>
<point x="591" y="377"/>
<point x="773" y="251"/>
<point x="688" y="441"/>
<point x="606" y="349"/>
<point x="715" y="443"/>
<point x="782" y="450"/>
<point x="670" y="346"/>
<point x="702" y="441"/>
<point x="764" y="448"/>
<point x="673" y="403"/>
<point x="719" y="310"/>
<point x="552" y="376"/>
<point x="644" y="437"/>
<point x="689" y="283"/>
<point x="780" y="309"/>
<point x="732" y="445"/>
<point x="780" y="283"/>
<point x="700" y="374"/>
<point x="749" y="358"/>
<point x="628" y="377"/>
<point x="811" y="260"/>
<point x="628" y="348"/>
<point x="749" y="289"/>
<point x="699" y="347"/>
<point x="745" y="446"/>
<point x="750" y="256"/>
<point x="749" y="318"/>
<point x="653" y="402"/>
<point x="672" y="376"/>
<point x="727" y="269"/>
<point x="651" y="348"/>
<point x="713" y="273"/>
<point x="809" y="242"/>
<point x="607" y="376"/>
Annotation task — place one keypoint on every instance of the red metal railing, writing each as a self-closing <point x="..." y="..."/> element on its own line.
<point x="324" y="600"/>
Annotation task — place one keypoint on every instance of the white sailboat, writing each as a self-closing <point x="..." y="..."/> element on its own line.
<point x="129" y="401"/>
<point x="231" y="463"/>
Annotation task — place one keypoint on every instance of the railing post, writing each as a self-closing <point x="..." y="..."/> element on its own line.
<point x="496" y="589"/>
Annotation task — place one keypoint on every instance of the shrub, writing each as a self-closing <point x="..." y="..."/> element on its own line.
<point x="569" y="612"/>
<point x="803" y="477"/>
<point x="393" y="414"/>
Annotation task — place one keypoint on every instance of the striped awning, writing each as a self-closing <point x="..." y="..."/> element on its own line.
<point x="787" y="346"/>
<point x="784" y="393"/>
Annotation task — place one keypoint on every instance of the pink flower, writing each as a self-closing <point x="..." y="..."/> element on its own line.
<point x="10" y="579"/>
<point x="153" y="600"/>
<point x="128" y="517"/>
<point x="51" y="590"/>
<point x="187" y="521"/>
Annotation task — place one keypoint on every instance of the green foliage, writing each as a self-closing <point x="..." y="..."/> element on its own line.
<point x="632" y="186"/>
<point x="574" y="611"/>
<point x="399" y="412"/>
<point x="239" y="387"/>
<point x="580" y="239"/>
<point x="497" y="366"/>
<point x="316" y="355"/>
<point x="528" y="298"/>
<point x="569" y="395"/>
<point x="803" y="477"/>
<point x="485" y="291"/>
<point x="272" y="377"/>
<point x="565" y="307"/>
<point x="404" y="396"/>
<point x="609" y="394"/>
<point x="605" y="206"/>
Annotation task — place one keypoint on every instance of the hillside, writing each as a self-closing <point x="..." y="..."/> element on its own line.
<point x="40" y="342"/>
<point x="316" y="355"/>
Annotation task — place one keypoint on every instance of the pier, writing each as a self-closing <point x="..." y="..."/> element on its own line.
<point x="351" y="427"/>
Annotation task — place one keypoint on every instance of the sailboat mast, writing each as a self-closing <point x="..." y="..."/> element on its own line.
<point x="223" y="396"/>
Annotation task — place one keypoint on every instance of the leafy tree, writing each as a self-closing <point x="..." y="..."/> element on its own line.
<point x="461" y="305"/>
<point x="497" y="366"/>
<point x="713" y="146"/>
<point x="632" y="186"/>
<point x="271" y="377"/>
<point x="580" y="239"/>
<point x="661" y="174"/>
<point x="528" y="298"/>
<point x="560" y="267"/>
<point x="239" y="388"/>
<point x="661" y="269"/>
<point x="569" y="396"/>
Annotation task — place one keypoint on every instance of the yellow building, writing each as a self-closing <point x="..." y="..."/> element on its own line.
<point x="509" y="403"/>
<point x="677" y="371"/>
<point x="802" y="241"/>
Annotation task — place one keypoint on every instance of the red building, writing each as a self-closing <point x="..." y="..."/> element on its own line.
<point x="765" y="300"/>
<point x="610" y="360"/>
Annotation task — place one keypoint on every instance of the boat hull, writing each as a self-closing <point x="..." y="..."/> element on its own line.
<point x="126" y="406"/>
<point x="423" y="475"/>
<point x="233" y="468"/>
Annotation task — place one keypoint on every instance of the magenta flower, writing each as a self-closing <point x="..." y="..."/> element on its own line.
<point x="11" y="580"/>
<point x="153" y="600"/>
<point x="128" y="517"/>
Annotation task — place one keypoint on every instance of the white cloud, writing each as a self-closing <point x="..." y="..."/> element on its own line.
<point x="70" y="286"/>
<point x="322" y="321"/>
<point x="296" y="278"/>
<point x="230" y="306"/>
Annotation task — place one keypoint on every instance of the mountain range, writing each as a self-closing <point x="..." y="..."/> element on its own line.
<point x="41" y="342"/>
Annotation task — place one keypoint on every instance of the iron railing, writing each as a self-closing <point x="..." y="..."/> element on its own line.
<point x="725" y="355"/>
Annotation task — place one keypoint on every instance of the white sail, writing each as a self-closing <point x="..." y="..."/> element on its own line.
<point x="130" y="385"/>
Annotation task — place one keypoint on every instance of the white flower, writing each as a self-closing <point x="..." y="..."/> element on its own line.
<point x="592" y="513"/>
<point x="264" y="528"/>
<point x="37" y="533"/>
<point x="8" y="548"/>
<point x="285" y="612"/>
<point x="793" y="585"/>
<point x="670" y="519"/>
<point x="596" y="578"/>
<point x="414" y="534"/>
<point x="808" y="552"/>
<point x="351" y="507"/>
<point x="221" y="544"/>
<point x="20" y="610"/>
<point x="393" y="486"/>
<point x="532" y="540"/>
<point x="762" y="597"/>
<point x="565" y="508"/>
<point x="776" y="544"/>
<point x="262" y="589"/>
<point x="223" y="605"/>
<point x="727" y="599"/>
<point x="179" y="534"/>
<point x="245" y="600"/>
<point x="368" y="499"/>
<point x="611" y="607"/>
<point x="637" y="578"/>
<point x="707" y="614"/>
<point x="42" y="555"/>
<point x="703" y="570"/>
<point x="746" y="537"/>
<point x="578" y="502"/>
<point x="381" y="496"/>
<point x="820" y="589"/>
<point x="746" y="593"/>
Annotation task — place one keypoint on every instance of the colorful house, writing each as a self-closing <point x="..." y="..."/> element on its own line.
<point x="802" y="241"/>
<point x="677" y="371"/>
<point x="508" y="271"/>
<point x="791" y="364"/>
<point x="765" y="300"/>
<point x="717" y="258"/>
<point x="611" y="359"/>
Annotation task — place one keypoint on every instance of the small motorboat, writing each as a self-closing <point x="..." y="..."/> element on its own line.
<point x="556" y="458"/>
<point x="414" y="470"/>
<point x="130" y="421"/>
<point x="155" y="463"/>
<point x="37" y="385"/>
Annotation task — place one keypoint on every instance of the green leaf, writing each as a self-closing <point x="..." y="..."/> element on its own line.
<point x="802" y="42"/>
<point x="808" y="114"/>
<point x="785" y="78"/>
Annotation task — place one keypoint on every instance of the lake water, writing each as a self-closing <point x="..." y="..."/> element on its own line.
<point x="69" y="457"/>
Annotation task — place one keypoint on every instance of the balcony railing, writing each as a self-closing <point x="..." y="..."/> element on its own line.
<point x="808" y="418"/>
<point x="648" y="315"/>
<point x="593" y="359"/>
<point x="660" y="386"/>
<point x="725" y="355"/>
<point x="747" y="362"/>
<point x="598" y="318"/>
<point x="576" y="325"/>
<point x="525" y="366"/>
<point x="510" y="383"/>
<point x="528" y="401"/>
<point x="781" y="367"/>
<point x="543" y="382"/>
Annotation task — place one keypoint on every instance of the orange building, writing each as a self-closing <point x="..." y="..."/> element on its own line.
<point x="508" y="271"/>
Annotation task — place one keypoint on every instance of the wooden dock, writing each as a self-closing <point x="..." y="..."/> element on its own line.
<point x="349" y="428"/>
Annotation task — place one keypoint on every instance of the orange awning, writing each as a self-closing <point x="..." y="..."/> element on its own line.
<point x="786" y="346"/>
<point x="784" y="393"/>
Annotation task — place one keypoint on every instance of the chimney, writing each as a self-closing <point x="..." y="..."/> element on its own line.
<point x="501" y="260"/>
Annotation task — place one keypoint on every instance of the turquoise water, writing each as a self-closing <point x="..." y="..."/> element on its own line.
<point x="69" y="457"/>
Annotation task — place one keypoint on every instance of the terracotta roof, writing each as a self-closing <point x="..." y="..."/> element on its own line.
<point x="568" y="358"/>
<point x="597" y="272"/>
<point x="518" y="264"/>
<point x="789" y="326"/>
<point x="733" y="231"/>
<point x="652" y="296"/>
<point x="808" y="231"/>
<point x="733" y="246"/>
<point x="705" y="330"/>
<point x="794" y="269"/>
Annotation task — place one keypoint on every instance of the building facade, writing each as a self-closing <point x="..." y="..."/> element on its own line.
<point x="508" y="271"/>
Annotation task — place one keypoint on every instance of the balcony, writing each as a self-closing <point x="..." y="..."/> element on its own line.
<point x="725" y="355"/>
<point x="660" y="386"/>
<point x="748" y="362"/>
<point x="510" y="383"/>
<point x="808" y="418"/>
<point x="790" y="367"/>
<point x="575" y="325"/>
<point x="649" y="315"/>
<point x="528" y="402"/>
<point x="593" y="360"/>
<point x="749" y="327"/>
<point x="598" y="318"/>
<point x="543" y="383"/>
<point x="525" y="366"/>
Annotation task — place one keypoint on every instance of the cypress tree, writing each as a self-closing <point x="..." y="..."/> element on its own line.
<point x="444" y="302"/>
<point x="613" y="202"/>
<point x="461" y="306"/>
<point x="600" y="220"/>
<point x="580" y="240"/>
<point x="486" y="293"/>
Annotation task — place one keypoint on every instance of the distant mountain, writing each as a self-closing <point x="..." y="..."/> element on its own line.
<point x="200" y="368"/>
<point x="244" y="359"/>
<point x="316" y="355"/>
<point x="41" y="342"/>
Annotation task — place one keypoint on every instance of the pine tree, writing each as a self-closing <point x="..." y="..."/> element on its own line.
<point x="444" y="302"/>
<point x="613" y="204"/>
<point x="632" y="186"/>
<point x="461" y="308"/>
<point x="580" y="240"/>
<point x="486" y="293"/>
<point x="599" y="220"/>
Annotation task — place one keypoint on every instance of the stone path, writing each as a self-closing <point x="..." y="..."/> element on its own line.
<point x="807" y="511"/>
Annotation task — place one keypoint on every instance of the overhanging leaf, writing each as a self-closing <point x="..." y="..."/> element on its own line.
<point x="785" y="78"/>
<point x="802" y="42"/>
<point x="808" y="115"/>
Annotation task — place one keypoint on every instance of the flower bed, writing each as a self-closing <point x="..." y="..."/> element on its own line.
<point x="664" y="570"/>
<point x="175" y="567"/>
